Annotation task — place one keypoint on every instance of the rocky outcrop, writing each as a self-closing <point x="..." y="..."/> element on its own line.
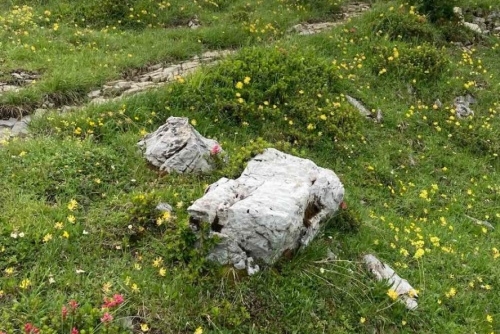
<point x="482" y="22"/>
<point x="277" y="205"/>
<point x="177" y="147"/>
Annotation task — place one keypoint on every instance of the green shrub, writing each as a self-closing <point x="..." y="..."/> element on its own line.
<point x="422" y="62"/>
<point x="404" y="23"/>
<point x="436" y="11"/>
<point x="284" y="95"/>
<point x="326" y="7"/>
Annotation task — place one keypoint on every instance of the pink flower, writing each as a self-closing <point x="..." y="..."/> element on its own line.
<point x="73" y="304"/>
<point x="74" y="331"/>
<point x="215" y="150"/>
<point x="106" y="318"/>
<point x="30" y="329"/>
<point x="118" y="299"/>
<point x="64" y="312"/>
<point x="343" y="205"/>
<point x="112" y="302"/>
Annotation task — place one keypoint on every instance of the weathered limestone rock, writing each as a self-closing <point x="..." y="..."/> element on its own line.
<point x="275" y="206"/>
<point x="474" y="27"/>
<point x="406" y="293"/>
<point x="8" y="88"/>
<point x="177" y="147"/>
<point x="363" y="111"/>
<point x="14" y="127"/>
<point x="462" y="109"/>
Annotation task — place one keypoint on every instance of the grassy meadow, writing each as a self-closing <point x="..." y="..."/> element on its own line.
<point x="83" y="249"/>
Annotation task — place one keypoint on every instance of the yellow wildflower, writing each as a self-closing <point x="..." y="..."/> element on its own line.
<point x="72" y="205"/>
<point x="47" y="237"/>
<point x="25" y="283"/>
<point x="419" y="253"/>
<point x="451" y="293"/>
<point x="157" y="262"/>
<point x="392" y="294"/>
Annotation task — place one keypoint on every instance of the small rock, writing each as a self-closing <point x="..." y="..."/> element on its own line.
<point x="363" y="111"/>
<point x="20" y="128"/>
<point x="164" y="207"/>
<point x="39" y="112"/>
<point x="177" y="147"/>
<point x="65" y="109"/>
<point x="458" y="12"/>
<point x="474" y="27"/>
<point x="194" y="24"/>
<point x="251" y="267"/>
<point x="94" y="94"/>
<point x="8" y="123"/>
<point x="462" y="109"/>
<point x="330" y="255"/>
<point x="382" y="272"/>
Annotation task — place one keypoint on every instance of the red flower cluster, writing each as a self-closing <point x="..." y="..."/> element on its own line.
<point x="112" y="302"/>
<point x="106" y="318"/>
<point x="30" y="329"/>
<point x="73" y="305"/>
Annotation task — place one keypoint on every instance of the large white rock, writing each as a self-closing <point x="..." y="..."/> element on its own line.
<point x="177" y="147"/>
<point x="274" y="207"/>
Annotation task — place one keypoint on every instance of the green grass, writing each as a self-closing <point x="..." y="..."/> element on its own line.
<point x="412" y="182"/>
<point x="77" y="47"/>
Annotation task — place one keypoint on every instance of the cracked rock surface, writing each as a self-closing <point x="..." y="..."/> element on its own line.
<point x="276" y="206"/>
<point x="177" y="147"/>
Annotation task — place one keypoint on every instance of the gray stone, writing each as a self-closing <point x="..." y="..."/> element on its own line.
<point x="377" y="117"/>
<point x="164" y="207"/>
<point x="458" y="12"/>
<point x="277" y="205"/>
<point x="8" y="123"/>
<point x="8" y="88"/>
<point x="462" y="109"/>
<point x="39" y="112"/>
<point x="474" y="27"/>
<point x="382" y="272"/>
<point x="20" y="129"/>
<point x="94" y="94"/>
<point x="177" y="147"/>
<point x="438" y="103"/>
<point x="65" y="109"/>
